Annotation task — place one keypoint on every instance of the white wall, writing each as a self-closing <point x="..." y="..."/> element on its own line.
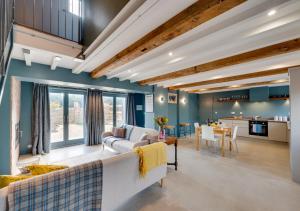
<point x="15" y="120"/>
<point x="295" y="122"/>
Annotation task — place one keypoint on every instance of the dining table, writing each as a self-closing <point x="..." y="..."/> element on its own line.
<point x="219" y="130"/>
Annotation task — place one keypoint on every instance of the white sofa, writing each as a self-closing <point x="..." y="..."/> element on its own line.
<point x="121" y="181"/>
<point x="135" y="136"/>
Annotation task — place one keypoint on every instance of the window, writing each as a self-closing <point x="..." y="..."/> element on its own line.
<point x="108" y="104"/>
<point x="66" y="117"/>
<point x="120" y="111"/>
<point x="114" y="110"/>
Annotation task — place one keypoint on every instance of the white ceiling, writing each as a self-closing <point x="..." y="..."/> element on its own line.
<point x="244" y="28"/>
<point x="43" y="57"/>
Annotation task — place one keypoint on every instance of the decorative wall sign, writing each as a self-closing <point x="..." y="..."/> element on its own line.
<point x="139" y="107"/>
<point x="149" y="103"/>
<point x="172" y="98"/>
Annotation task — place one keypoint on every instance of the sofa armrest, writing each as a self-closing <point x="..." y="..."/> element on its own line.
<point x="141" y="143"/>
<point x="105" y="134"/>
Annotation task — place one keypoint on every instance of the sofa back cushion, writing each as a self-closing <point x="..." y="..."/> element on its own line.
<point x="119" y="132"/>
<point x="129" y="129"/>
<point x="138" y="132"/>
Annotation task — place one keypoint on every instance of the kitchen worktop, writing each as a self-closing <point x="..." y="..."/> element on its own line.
<point x="249" y="118"/>
<point x="277" y="130"/>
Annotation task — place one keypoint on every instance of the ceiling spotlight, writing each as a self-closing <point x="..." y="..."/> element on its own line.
<point x="271" y="12"/>
<point x="170" y="54"/>
<point x="217" y="77"/>
<point x="57" y="58"/>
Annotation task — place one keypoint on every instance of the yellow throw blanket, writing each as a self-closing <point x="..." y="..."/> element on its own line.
<point x="151" y="156"/>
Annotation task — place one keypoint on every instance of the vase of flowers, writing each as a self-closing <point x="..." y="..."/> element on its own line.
<point x="161" y="121"/>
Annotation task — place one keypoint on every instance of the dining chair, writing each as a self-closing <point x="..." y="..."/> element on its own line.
<point x="196" y="126"/>
<point x="234" y="137"/>
<point x="207" y="133"/>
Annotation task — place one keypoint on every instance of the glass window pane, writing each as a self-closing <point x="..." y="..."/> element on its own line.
<point x="108" y="113"/>
<point x="76" y="105"/>
<point x="120" y="111"/>
<point x="57" y="116"/>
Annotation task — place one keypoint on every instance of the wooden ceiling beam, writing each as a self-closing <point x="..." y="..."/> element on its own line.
<point x="264" y="83"/>
<point x="193" y="16"/>
<point x="261" y="53"/>
<point x="233" y="78"/>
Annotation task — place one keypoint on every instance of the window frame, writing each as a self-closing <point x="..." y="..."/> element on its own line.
<point x="66" y="139"/>
<point x="114" y="96"/>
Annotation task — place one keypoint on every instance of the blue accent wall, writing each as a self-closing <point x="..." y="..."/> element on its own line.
<point x="177" y="113"/>
<point x="210" y="108"/>
<point x="40" y="73"/>
<point x="139" y="99"/>
<point x="61" y="77"/>
<point x="5" y="127"/>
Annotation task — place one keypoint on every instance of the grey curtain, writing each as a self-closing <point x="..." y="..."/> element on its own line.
<point x="130" y="115"/>
<point x="94" y="117"/>
<point x="40" y="120"/>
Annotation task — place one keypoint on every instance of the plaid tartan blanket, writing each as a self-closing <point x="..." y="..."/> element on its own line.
<point x="76" y="188"/>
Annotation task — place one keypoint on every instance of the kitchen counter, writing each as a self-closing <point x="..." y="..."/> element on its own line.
<point x="277" y="130"/>
<point x="247" y="119"/>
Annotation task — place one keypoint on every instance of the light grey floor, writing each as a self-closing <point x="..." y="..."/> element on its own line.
<point x="257" y="178"/>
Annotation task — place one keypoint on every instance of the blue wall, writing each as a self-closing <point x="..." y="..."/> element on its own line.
<point x="43" y="74"/>
<point x="40" y="73"/>
<point x="208" y="105"/>
<point x="5" y="128"/>
<point x="139" y="99"/>
<point x="177" y="113"/>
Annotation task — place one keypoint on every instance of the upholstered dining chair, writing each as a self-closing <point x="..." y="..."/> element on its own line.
<point x="234" y="138"/>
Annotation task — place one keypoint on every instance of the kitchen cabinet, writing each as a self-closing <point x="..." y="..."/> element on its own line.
<point x="259" y="94"/>
<point x="226" y="122"/>
<point x="243" y="126"/>
<point x="278" y="131"/>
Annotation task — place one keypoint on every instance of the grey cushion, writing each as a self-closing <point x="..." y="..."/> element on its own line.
<point x="111" y="140"/>
<point x="129" y="129"/>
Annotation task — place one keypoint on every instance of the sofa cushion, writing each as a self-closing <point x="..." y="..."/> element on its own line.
<point x="110" y="140"/>
<point x="128" y="132"/>
<point x="119" y="132"/>
<point x="138" y="132"/>
<point x="123" y="146"/>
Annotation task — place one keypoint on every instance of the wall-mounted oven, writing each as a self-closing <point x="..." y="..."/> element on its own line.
<point x="258" y="128"/>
